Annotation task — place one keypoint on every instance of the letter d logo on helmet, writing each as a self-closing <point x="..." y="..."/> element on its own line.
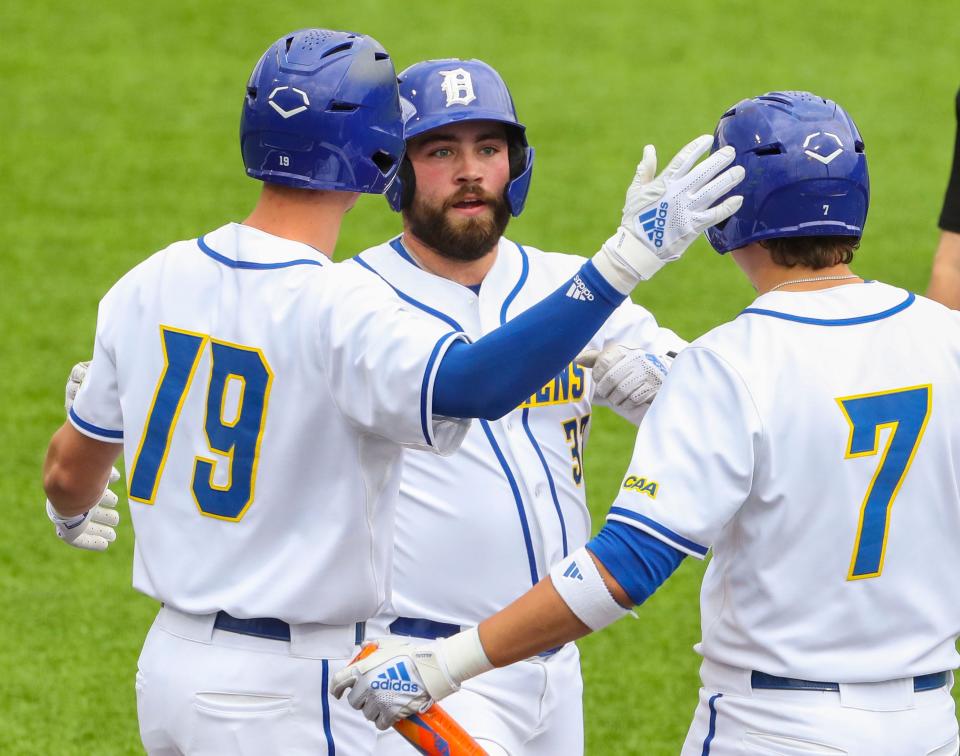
<point x="322" y="112"/>
<point x="806" y="171"/>
<point x="437" y="93"/>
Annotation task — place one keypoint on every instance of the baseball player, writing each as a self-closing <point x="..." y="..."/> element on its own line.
<point x="945" y="276"/>
<point x="261" y="397"/>
<point x="515" y="488"/>
<point x="812" y="444"/>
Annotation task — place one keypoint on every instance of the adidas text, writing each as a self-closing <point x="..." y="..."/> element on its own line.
<point x="578" y="290"/>
<point x="395" y="685"/>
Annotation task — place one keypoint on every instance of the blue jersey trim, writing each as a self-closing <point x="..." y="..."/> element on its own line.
<point x="662" y="530"/>
<point x="406" y="298"/>
<point x="436" y="349"/>
<point x="839" y="322"/>
<point x="397" y="245"/>
<point x="528" y="542"/>
<point x="325" y="706"/>
<point x="712" y="730"/>
<point x="94" y="428"/>
<point x="546" y="469"/>
<point x="636" y="559"/>
<point x="424" y="388"/>
<point x="524" y="525"/>
<point x="246" y="265"/>
<point x="402" y="251"/>
<point x="524" y="271"/>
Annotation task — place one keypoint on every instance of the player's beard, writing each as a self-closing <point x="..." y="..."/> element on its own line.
<point x="464" y="239"/>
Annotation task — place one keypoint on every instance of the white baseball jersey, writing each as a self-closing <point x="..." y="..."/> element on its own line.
<point x="812" y="442"/>
<point x="262" y="395"/>
<point x="479" y="528"/>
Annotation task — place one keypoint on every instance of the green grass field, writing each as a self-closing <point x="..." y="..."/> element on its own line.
<point x="120" y="135"/>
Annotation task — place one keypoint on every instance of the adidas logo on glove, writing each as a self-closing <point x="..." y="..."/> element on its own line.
<point x="656" y="361"/>
<point x="654" y="222"/>
<point x="395" y="678"/>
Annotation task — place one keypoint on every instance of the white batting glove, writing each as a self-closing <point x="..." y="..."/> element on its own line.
<point x="93" y="530"/>
<point x="664" y="215"/>
<point x="400" y="679"/>
<point x="389" y="685"/>
<point x="626" y="379"/>
<point x="77" y="374"/>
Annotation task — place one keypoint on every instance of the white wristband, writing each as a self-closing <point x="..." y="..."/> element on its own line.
<point x="58" y="519"/>
<point x="624" y="261"/>
<point x="579" y="584"/>
<point x="463" y="655"/>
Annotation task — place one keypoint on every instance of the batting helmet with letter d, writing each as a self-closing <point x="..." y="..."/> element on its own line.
<point x="436" y="93"/>
<point x="322" y="112"/>
<point x="806" y="171"/>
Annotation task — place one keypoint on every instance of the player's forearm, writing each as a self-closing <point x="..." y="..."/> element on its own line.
<point x="68" y="495"/>
<point x="76" y="470"/>
<point x="538" y="621"/>
<point x="629" y="566"/>
<point x="945" y="278"/>
<point x="492" y="376"/>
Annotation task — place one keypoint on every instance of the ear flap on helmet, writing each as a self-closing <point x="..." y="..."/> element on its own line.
<point x="518" y="187"/>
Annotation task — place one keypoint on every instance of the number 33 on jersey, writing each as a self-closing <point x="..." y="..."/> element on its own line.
<point x="238" y="388"/>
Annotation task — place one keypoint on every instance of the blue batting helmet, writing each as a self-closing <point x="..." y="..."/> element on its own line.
<point x="806" y="172"/>
<point x="322" y="112"/>
<point x="436" y="93"/>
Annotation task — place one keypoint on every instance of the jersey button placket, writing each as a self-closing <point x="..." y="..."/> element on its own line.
<point x="523" y="462"/>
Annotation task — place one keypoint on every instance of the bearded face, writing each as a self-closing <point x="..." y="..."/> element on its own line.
<point x="465" y="226"/>
<point x="461" y="171"/>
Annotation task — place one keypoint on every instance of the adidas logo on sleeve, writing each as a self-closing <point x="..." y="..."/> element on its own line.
<point x="573" y="572"/>
<point x="395" y="678"/>
<point x="578" y="290"/>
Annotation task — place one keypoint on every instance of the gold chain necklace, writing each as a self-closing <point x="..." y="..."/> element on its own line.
<point x="812" y="280"/>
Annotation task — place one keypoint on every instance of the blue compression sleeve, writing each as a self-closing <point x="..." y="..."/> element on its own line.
<point x="496" y="373"/>
<point x="635" y="559"/>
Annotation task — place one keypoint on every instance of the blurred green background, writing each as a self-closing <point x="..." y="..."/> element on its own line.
<point x="120" y="135"/>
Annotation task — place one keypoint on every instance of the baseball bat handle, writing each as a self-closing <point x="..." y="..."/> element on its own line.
<point x="433" y="732"/>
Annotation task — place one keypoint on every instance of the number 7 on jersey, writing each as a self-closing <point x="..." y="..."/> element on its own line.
<point x="905" y="413"/>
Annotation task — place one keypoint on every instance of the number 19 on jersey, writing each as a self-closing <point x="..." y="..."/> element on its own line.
<point x="233" y="432"/>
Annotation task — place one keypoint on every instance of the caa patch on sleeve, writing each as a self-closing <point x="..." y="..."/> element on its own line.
<point x="641" y="485"/>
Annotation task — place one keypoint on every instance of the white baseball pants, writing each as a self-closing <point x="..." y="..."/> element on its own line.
<point x="864" y="719"/>
<point x="209" y="692"/>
